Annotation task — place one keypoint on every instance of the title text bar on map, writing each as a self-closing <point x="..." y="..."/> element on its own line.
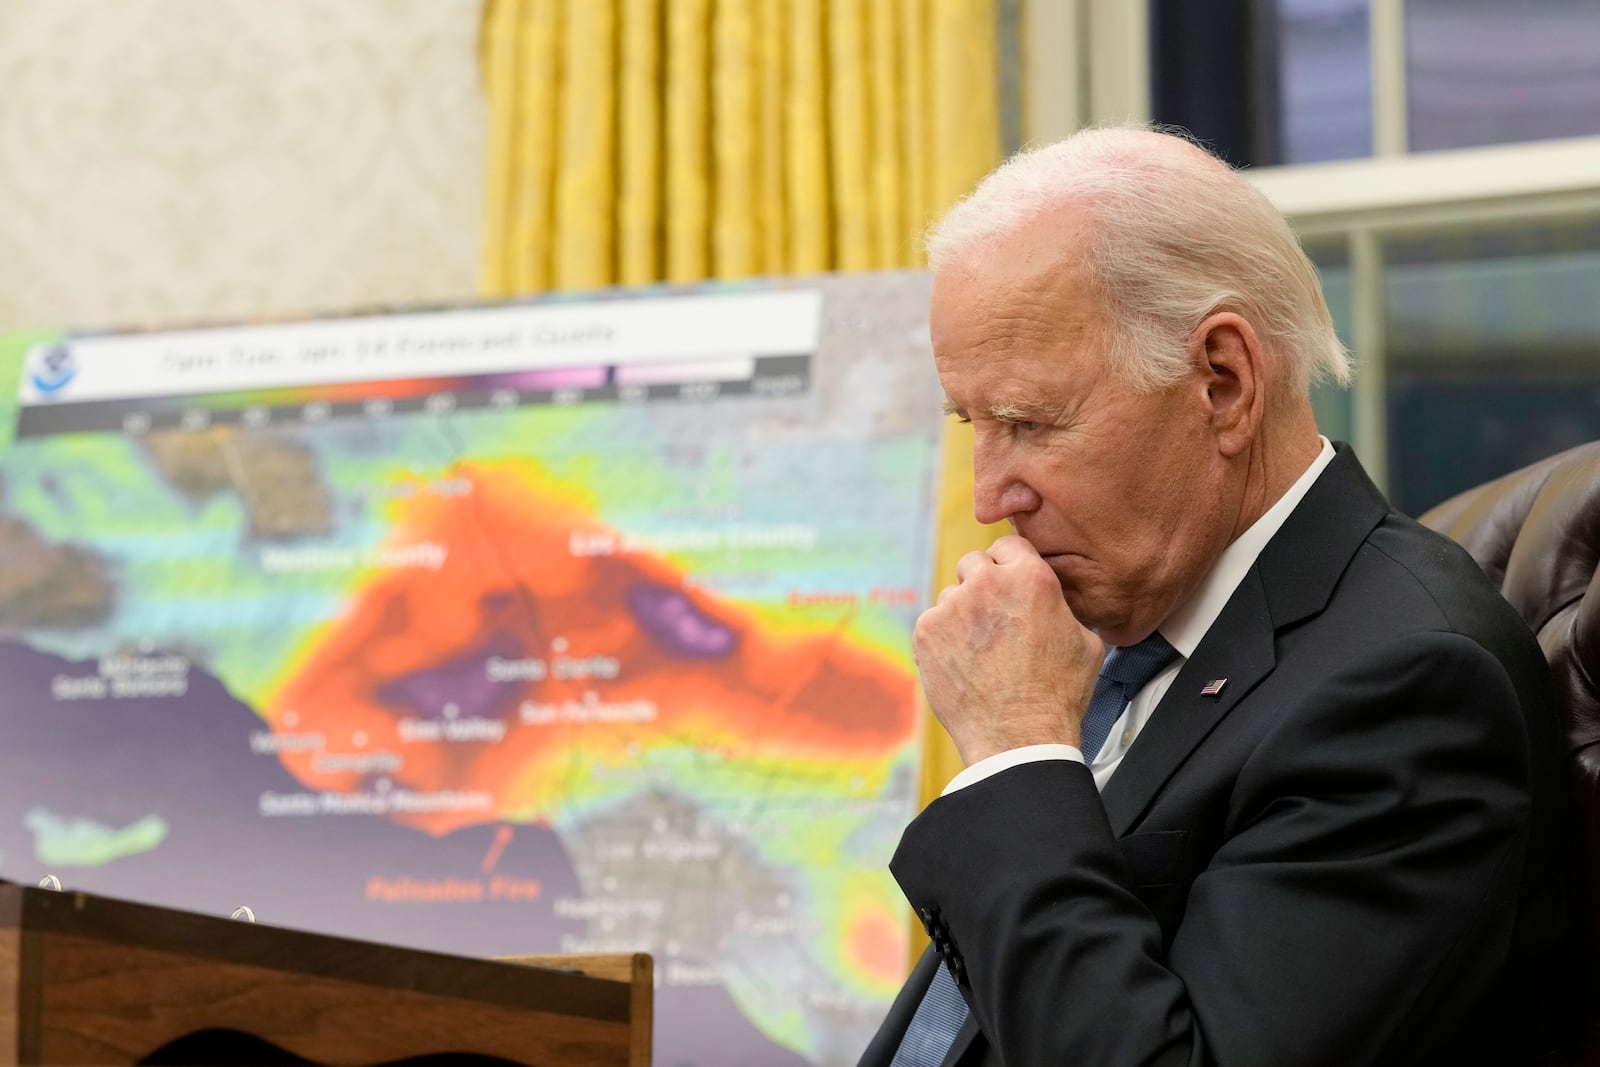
<point x="465" y="342"/>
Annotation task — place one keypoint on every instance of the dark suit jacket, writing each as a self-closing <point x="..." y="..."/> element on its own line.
<point x="1349" y="856"/>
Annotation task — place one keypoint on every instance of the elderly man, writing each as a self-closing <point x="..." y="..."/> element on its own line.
<point x="1308" y="813"/>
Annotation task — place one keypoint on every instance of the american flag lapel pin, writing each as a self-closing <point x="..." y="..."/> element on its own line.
<point x="1213" y="687"/>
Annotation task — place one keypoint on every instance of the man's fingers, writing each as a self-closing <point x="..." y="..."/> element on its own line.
<point x="971" y="563"/>
<point x="1011" y="549"/>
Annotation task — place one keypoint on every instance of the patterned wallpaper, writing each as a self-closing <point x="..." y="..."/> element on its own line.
<point x="177" y="161"/>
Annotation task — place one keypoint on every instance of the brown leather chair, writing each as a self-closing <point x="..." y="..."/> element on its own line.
<point x="1536" y="533"/>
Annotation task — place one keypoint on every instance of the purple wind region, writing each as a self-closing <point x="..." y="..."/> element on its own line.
<point x="674" y="623"/>
<point x="461" y="681"/>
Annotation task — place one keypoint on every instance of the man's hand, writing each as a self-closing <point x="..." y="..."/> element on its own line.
<point x="1004" y="662"/>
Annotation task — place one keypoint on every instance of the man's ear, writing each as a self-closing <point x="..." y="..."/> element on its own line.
<point x="1228" y="354"/>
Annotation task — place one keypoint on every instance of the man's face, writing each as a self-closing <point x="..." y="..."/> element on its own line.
<point x="1120" y="492"/>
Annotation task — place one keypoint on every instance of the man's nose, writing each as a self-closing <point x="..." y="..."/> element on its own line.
<point x="999" y="495"/>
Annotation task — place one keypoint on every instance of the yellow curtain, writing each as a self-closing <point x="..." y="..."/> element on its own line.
<point x="635" y="141"/>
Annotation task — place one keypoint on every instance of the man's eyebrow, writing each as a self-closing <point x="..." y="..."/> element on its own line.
<point x="1013" y="409"/>
<point x="1017" y="409"/>
<point x="1025" y="409"/>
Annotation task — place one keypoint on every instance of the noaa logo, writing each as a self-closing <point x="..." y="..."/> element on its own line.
<point x="53" y="367"/>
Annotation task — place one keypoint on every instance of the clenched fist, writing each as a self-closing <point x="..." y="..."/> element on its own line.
<point x="1004" y="662"/>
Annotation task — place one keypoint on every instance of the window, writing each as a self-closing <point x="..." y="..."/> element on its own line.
<point x="1324" y="59"/>
<point x="1492" y="336"/>
<point x="1266" y="81"/>
<point x="1482" y="72"/>
<point x="1292" y="81"/>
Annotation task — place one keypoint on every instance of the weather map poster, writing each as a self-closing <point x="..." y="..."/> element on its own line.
<point x="554" y="626"/>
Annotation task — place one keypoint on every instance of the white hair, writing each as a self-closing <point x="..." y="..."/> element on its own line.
<point x="1170" y="235"/>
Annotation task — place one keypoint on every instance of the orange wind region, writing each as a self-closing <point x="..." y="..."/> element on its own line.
<point x="489" y="658"/>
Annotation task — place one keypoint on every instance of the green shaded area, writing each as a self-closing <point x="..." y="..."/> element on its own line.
<point x="60" y="841"/>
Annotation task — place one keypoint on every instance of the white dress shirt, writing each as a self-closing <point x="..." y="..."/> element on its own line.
<point x="1183" y="630"/>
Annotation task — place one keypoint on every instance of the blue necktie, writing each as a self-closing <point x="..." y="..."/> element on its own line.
<point x="1122" y="675"/>
<point x="933" y="1026"/>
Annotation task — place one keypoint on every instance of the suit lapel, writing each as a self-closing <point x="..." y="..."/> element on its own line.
<point x="1290" y="581"/>
<point x="1184" y="717"/>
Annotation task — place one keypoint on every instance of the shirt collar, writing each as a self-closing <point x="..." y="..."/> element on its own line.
<point x="1184" y="628"/>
